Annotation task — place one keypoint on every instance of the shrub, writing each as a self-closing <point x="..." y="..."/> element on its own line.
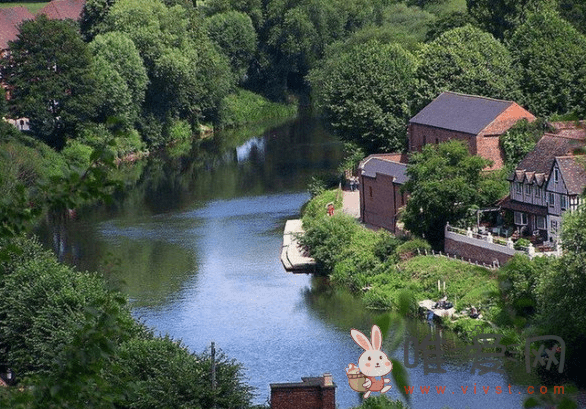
<point x="521" y="244"/>
<point x="409" y="248"/>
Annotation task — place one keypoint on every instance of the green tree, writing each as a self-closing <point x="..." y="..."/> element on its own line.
<point x="188" y="76"/>
<point x="549" y="55"/>
<point x="51" y="73"/>
<point x="93" y="16"/>
<point x="447" y="22"/>
<point x="575" y="12"/>
<point x="233" y="32"/>
<point x="467" y="60"/>
<point x="445" y="181"/>
<point x="365" y="92"/>
<point x="502" y="17"/>
<point x="122" y="76"/>
<point x="519" y="140"/>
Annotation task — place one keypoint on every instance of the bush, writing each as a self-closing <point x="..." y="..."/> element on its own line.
<point x="77" y="154"/>
<point x="522" y="244"/>
<point x="409" y="248"/>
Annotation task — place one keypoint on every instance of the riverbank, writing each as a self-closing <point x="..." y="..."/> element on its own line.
<point x="385" y="269"/>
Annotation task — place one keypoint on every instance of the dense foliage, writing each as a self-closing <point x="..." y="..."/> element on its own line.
<point x="549" y="54"/>
<point x="365" y="93"/>
<point x="467" y="60"/>
<point x="444" y="182"/>
<point x="521" y="139"/>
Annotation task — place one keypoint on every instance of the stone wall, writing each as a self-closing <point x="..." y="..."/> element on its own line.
<point x="476" y="249"/>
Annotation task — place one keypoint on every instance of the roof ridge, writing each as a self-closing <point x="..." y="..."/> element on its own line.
<point x="478" y="96"/>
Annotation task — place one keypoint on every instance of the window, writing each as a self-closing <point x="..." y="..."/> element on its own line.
<point x="518" y="187"/>
<point x="554" y="226"/>
<point x="520" y="218"/>
<point x="556" y="175"/>
<point x="540" y="222"/>
<point x="563" y="202"/>
<point x="370" y="191"/>
<point x="528" y="189"/>
<point x="551" y="200"/>
<point x="537" y="192"/>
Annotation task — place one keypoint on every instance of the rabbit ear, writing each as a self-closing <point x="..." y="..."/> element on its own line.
<point x="377" y="337"/>
<point x="361" y="339"/>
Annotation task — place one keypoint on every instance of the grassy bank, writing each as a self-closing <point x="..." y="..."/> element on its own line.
<point x="245" y="107"/>
<point x="387" y="271"/>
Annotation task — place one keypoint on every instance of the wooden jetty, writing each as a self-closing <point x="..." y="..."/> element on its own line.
<point x="293" y="256"/>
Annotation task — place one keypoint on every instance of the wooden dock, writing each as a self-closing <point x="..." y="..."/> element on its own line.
<point x="293" y="256"/>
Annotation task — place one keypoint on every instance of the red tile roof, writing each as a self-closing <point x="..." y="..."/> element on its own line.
<point x="63" y="9"/>
<point x="10" y="19"/>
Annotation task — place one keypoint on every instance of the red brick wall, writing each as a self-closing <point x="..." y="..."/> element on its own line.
<point x="474" y="253"/>
<point x="420" y="135"/>
<point x="489" y="148"/>
<point x="379" y="209"/>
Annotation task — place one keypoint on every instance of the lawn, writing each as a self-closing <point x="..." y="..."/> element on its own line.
<point x="33" y="7"/>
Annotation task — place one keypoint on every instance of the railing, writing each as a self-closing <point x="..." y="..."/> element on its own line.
<point x="530" y="250"/>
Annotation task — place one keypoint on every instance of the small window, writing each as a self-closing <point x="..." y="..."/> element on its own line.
<point x="537" y="192"/>
<point x="518" y="187"/>
<point x="556" y="175"/>
<point x="370" y="191"/>
<point x="527" y="189"/>
<point x="554" y="226"/>
<point x="551" y="200"/>
<point x="520" y="218"/>
<point x="540" y="222"/>
<point x="563" y="202"/>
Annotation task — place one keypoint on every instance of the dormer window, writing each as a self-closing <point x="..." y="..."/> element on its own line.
<point x="518" y="187"/>
<point x="556" y="175"/>
<point x="528" y="190"/>
<point x="537" y="192"/>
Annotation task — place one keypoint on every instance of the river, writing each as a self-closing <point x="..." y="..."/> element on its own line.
<point x="195" y="244"/>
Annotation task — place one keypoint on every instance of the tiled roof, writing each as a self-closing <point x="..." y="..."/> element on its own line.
<point x="540" y="160"/>
<point x="386" y="164"/>
<point x="63" y="9"/>
<point x="573" y="172"/>
<point x="459" y="112"/>
<point x="10" y="19"/>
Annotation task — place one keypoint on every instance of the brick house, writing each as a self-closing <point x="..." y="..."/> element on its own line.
<point x="478" y="121"/>
<point x="381" y="179"/>
<point x="312" y="393"/>
<point x="548" y="181"/>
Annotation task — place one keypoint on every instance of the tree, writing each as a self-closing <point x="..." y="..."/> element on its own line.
<point x="122" y="77"/>
<point x="575" y="12"/>
<point x="51" y="74"/>
<point x="365" y="92"/>
<point x="467" y="60"/>
<point x="93" y="16"/>
<point x="234" y="34"/>
<point x="445" y="181"/>
<point x="188" y="75"/>
<point x="549" y="55"/>
<point x="519" y="140"/>
<point x="447" y="22"/>
<point x="502" y="17"/>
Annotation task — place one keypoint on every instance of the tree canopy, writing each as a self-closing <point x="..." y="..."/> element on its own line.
<point x="445" y="181"/>
<point x="51" y="74"/>
<point x="549" y="54"/>
<point x="365" y="92"/>
<point x="467" y="60"/>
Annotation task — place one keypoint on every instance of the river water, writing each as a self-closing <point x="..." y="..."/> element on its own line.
<point x="195" y="244"/>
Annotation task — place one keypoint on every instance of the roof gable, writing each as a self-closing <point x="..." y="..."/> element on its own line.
<point x="459" y="112"/>
<point x="573" y="173"/>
